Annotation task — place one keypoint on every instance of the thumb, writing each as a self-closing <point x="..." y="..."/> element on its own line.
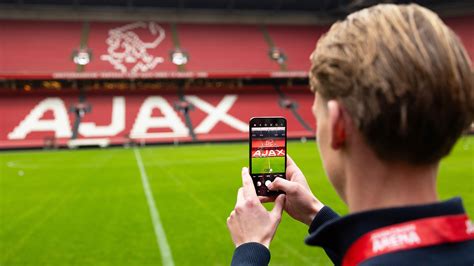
<point x="278" y="208"/>
<point x="283" y="184"/>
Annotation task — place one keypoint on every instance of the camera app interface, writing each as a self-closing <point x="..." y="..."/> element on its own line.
<point x="268" y="150"/>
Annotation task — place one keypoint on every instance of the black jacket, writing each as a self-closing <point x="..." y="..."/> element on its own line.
<point x="336" y="234"/>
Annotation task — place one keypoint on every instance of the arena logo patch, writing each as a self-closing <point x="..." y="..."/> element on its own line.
<point x="390" y="239"/>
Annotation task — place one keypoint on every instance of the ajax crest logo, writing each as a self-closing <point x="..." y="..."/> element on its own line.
<point x="128" y="47"/>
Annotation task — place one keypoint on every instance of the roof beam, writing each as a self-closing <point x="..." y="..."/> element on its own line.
<point x="230" y="4"/>
<point x="170" y="15"/>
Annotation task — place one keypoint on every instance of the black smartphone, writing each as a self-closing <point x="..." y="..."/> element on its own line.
<point x="267" y="146"/>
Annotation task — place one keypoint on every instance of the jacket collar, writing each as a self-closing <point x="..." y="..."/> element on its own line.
<point x="338" y="234"/>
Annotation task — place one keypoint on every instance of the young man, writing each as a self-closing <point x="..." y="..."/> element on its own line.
<point x="393" y="92"/>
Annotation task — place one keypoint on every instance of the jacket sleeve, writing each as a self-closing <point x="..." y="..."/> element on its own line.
<point x="325" y="215"/>
<point x="251" y="254"/>
<point x="256" y="254"/>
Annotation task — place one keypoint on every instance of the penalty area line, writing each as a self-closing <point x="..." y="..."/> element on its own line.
<point x="163" y="245"/>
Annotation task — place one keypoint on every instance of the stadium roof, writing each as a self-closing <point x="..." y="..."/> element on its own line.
<point x="330" y="9"/>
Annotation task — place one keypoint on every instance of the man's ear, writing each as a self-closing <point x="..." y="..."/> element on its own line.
<point x="337" y="126"/>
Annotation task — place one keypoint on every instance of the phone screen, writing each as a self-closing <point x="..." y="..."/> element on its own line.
<point x="267" y="151"/>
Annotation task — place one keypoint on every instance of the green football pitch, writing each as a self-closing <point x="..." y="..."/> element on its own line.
<point x="268" y="165"/>
<point x="107" y="206"/>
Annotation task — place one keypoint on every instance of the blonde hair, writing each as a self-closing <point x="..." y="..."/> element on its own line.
<point x="402" y="75"/>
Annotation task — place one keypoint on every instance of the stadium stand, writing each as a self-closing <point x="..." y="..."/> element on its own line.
<point x="46" y="48"/>
<point x="307" y="37"/>
<point x="43" y="49"/>
<point x="146" y="117"/>
<point x="229" y="48"/>
<point x="38" y="51"/>
<point x="30" y="48"/>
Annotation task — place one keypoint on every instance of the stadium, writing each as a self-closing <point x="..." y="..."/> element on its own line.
<point x="124" y="124"/>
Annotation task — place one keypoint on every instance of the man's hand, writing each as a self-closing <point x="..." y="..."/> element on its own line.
<point x="300" y="202"/>
<point x="250" y="221"/>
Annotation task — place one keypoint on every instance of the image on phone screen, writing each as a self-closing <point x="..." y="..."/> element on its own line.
<point x="267" y="152"/>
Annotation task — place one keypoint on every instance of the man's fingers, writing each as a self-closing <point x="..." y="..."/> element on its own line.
<point x="279" y="204"/>
<point x="289" y="161"/>
<point x="248" y="188"/>
<point x="284" y="185"/>
<point x="240" y="196"/>
<point x="265" y="199"/>
<point x="292" y="170"/>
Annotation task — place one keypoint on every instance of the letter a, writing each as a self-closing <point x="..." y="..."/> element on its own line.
<point x="169" y="119"/>
<point x="117" y="124"/>
<point x="33" y="122"/>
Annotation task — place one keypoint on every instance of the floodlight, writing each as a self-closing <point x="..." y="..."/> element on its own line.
<point x="179" y="57"/>
<point x="82" y="56"/>
<point x="277" y="54"/>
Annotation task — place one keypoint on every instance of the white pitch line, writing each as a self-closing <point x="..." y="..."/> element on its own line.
<point x="165" y="250"/>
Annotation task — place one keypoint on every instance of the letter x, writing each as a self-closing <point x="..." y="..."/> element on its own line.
<point x="216" y="114"/>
